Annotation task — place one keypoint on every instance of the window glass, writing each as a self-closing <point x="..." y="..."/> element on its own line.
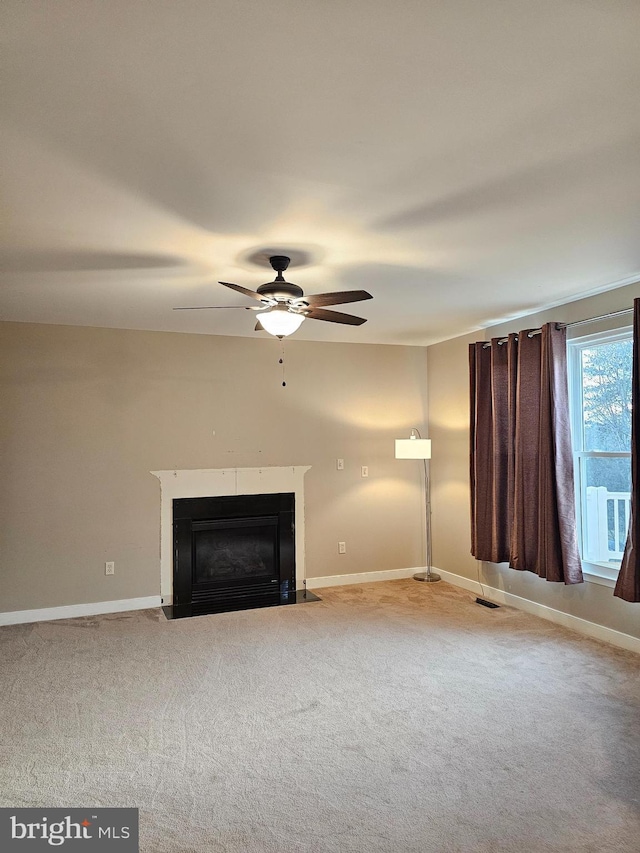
<point x="606" y="396"/>
<point x="600" y="367"/>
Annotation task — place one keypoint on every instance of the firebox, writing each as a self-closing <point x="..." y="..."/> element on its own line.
<point x="233" y="553"/>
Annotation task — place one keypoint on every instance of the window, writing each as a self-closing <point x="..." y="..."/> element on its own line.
<point x="600" y="368"/>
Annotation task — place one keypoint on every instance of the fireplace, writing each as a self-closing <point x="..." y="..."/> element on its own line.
<point x="176" y="484"/>
<point x="233" y="552"/>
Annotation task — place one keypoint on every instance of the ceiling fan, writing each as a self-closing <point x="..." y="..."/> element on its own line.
<point x="284" y="306"/>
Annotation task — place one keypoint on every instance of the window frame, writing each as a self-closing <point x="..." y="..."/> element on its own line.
<point x="594" y="572"/>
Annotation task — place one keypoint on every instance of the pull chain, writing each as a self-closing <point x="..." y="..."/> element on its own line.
<point x="281" y="361"/>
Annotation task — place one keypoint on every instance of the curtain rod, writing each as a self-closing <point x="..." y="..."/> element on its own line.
<point x="568" y="325"/>
<point x="593" y="319"/>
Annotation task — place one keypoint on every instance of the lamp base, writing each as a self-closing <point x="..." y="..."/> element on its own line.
<point x="432" y="577"/>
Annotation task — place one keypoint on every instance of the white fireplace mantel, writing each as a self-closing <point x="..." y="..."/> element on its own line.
<point x="218" y="482"/>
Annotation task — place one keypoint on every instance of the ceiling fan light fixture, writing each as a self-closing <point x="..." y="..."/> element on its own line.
<point x="279" y="321"/>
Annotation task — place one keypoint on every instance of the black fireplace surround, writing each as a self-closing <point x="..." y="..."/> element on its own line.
<point x="233" y="553"/>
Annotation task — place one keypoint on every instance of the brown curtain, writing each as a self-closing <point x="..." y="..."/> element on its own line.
<point x="523" y="509"/>
<point x="482" y="448"/>
<point x="628" y="583"/>
<point x="492" y="414"/>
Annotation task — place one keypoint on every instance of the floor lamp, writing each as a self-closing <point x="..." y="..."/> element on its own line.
<point x="417" y="447"/>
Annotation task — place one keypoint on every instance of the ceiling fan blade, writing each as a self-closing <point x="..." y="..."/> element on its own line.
<point x="245" y="290"/>
<point x="334" y="317"/>
<point x="207" y="307"/>
<point x="337" y="298"/>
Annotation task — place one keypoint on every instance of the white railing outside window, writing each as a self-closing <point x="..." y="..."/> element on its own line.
<point x="606" y="523"/>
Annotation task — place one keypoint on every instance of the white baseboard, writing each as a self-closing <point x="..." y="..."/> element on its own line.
<point x="575" y="623"/>
<point x="72" y="611"/>
<point x="361" y="577"/>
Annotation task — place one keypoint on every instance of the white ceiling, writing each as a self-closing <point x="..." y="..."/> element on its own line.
<point x="463" y="161"/>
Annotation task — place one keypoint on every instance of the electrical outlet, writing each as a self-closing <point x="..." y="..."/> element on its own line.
<point x="110" y="568"/>
<point x="340" y="464"/>
<point x="342" y="547"/>
<point x="365" y="470"/>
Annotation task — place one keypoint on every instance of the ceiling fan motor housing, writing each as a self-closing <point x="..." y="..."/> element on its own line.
<point x="280" y="290"/>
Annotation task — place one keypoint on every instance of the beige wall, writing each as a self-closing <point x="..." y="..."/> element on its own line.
<point x="448" y="384"/>
<point x="88" y="413"/>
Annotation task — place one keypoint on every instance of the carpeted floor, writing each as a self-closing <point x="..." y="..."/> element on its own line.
<point x="390" y="717"/>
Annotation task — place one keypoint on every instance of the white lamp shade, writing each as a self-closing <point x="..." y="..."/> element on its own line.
<point x="413" y="448"/>
<point x="280" y="322"/>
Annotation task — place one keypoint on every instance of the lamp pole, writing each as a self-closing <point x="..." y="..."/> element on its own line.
<point x="416" y="447"/>
<point x="428" y="576"/>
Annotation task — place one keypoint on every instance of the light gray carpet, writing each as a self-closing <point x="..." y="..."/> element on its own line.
<point x="389" y="717"/>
